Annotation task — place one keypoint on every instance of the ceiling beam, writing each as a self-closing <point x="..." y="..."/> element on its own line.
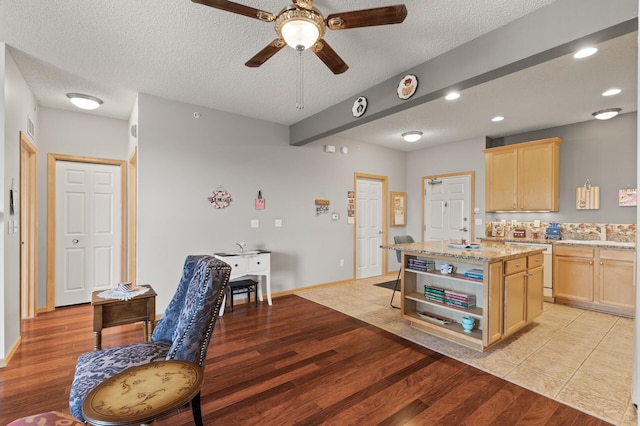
<point x="547" y="33"/>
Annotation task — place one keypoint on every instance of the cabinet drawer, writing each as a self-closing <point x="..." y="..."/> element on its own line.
<point x="613" y="254"/>
<point x="239" y="264"/>
<point x="259" y="263"/>
<point x="515" y="265"/>
<point x="535" y="260"/>
<point x="561" y="250"/>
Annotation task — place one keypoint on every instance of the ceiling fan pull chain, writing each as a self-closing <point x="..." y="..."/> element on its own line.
<point x="300" y="82"/>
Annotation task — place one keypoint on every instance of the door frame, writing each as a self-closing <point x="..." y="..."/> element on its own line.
<point x="472" y="198"/>
<point x="28" y="230"/>
<point x="385" y="221"/>
<point x="132" y="206"/>
<point x="52" y="158"/>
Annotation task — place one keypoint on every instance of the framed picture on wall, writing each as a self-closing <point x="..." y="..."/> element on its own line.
<point x="398" y="209"/>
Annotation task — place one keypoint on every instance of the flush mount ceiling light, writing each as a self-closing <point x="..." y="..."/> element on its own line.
<point x="497" y="118"/>
<point x="611" y="92"/>
<point x="84" y="101"/>
<point x="412" y="136"/>
<point x="452" y="96"/>
<point x="606" y="114"/>
<point x="583" y="53"/>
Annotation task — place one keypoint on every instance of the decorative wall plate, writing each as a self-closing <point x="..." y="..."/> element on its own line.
<point x="359" y="106"/>
<point x="407" y="86"/>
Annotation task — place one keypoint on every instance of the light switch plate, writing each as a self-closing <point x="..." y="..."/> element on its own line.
<point x="536" y="223"/>
<point x="478" y="221"/>
<point x="278" y="223"/>
<point x="255" y="223"/>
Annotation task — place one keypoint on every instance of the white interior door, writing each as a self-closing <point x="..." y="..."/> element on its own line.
<point x="447" y="208"/>
<point x="88" y="233"/>
<point x="369" y="228"/>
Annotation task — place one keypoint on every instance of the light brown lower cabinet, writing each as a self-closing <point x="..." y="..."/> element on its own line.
<point x="523" y="289"/>
<point x="599" y="279"/>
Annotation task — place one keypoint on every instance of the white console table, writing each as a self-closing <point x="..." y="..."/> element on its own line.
<point x="251" y="263"/>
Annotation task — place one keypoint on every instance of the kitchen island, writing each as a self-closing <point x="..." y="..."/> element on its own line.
<point x="500" y="287"/>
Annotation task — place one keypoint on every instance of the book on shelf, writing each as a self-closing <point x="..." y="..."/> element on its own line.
<point x="476" y="273"/>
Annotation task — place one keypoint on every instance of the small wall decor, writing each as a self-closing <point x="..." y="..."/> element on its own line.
<point x="351" y="207"/>
<point x="587" y="197"/>
<point x="322" y="207"/>
<point x="220" y="198"/>
<point x="628" y="197"/>
<point x="398" y="209"/>
<point x="359" y="106"/>
<point x="407" y="86"/>
<point x="259" y="201"/>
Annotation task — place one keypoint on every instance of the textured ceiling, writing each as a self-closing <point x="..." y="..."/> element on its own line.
<point x="187" y="52"/>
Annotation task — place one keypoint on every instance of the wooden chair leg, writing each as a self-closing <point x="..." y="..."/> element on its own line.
<point x="197" y="412"/>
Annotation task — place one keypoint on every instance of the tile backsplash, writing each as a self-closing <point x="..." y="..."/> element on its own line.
<point x="568" y="231"/>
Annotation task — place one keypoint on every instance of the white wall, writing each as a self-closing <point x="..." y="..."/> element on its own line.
<point x="181" y="160"/>
<point x="71" y="133"/>
<point x="18" y="104"/>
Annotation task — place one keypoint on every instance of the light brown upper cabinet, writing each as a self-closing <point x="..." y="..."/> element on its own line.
<point x="523" y="177"/>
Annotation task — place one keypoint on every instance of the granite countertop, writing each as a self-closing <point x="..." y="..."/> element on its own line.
<point x="487" y="252"/>
<point x="590" y="243"/>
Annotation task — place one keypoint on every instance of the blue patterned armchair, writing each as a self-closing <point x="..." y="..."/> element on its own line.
<point x="183" y="332"/>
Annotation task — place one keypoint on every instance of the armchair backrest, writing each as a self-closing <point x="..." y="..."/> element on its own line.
<point x="191" y="315"/>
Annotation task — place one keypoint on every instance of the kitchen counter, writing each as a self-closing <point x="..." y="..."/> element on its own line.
<point x="487" y="252"/>
<point x="590" y="243"/>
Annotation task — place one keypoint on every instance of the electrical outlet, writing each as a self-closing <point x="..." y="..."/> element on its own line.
<point x="536" y="223"/>
<point x="278" y="223"/>
<point x="478" y="221"/>
<point x="341" y="262"/>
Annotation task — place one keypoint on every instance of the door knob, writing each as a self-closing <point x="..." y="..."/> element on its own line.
<point x="75" y="241"/>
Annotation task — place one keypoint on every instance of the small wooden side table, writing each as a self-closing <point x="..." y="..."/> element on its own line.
<point x="141" y="394"/>
<point x="112" y="312"/>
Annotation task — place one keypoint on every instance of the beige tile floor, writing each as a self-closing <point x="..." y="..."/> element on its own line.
<point x="581" y="358"/>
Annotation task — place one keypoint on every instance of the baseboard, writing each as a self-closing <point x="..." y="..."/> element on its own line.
<point x="11" y="353"/>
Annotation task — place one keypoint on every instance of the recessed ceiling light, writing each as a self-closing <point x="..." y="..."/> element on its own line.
<point x="412" y="136"/>
<point x="452" y="96"/>
<point x="611" y="92"/>
<point x="583" y="53"/>
<point x="606" y="114"/>
<point x="497" y="118"/>
<point x="84" y="101"/>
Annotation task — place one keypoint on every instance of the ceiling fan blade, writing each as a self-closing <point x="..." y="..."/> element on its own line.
<point x="262" y="56"/>
<point x="329" y="57"/>
<point x="367" y="17"/>
<point x="240" y="9"/>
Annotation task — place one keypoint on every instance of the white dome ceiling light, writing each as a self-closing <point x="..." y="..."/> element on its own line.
<point x="412" y="136"/>
<point x="606" y="114"/>
<point x="84" y="101"/>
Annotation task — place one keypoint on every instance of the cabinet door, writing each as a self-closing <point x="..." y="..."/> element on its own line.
<point x="538" y="177"/>
<point x="514" y="302"/>
<point x="573" y="278"/>
<point x="535" y="292"/>
<point x="501" y="180"/>
<point x="616" y="279"/>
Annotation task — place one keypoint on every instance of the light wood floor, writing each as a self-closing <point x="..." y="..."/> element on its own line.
<point x="296" y="362"/>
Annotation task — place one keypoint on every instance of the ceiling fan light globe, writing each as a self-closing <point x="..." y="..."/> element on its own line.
<point x="300" y="32"/>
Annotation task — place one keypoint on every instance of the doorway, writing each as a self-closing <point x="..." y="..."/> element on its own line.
<point x="448" y="206"/>
<point x="27" y="194"/>
<point x="132" y="196"/>
<point x="85" y="232"/>
<point x="370" y="225"/>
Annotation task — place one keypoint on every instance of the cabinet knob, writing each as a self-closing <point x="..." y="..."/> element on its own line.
<point x="590" y="262"/>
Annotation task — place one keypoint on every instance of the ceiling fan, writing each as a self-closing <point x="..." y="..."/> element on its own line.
<point x="302" y="26"/>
